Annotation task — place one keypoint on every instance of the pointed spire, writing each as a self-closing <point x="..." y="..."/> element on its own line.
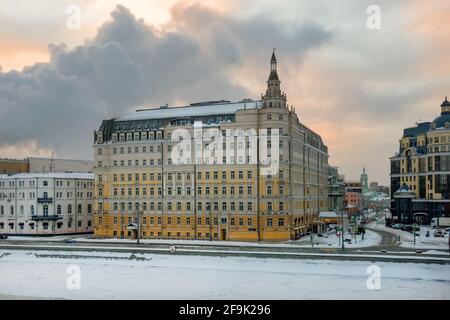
<point x="273" y="59"/>
<point x="273" y="67"/>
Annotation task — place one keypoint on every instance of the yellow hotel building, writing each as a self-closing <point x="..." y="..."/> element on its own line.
<point x="138" y="188"/>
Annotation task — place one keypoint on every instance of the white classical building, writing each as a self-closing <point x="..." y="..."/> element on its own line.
<point x="46" y="203"/>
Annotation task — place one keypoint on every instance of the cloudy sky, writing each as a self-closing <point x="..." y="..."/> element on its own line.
<point x="356" y="87"/>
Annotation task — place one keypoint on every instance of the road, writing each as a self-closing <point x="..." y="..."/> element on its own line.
<point x="387" y="250"/>
<point x="383" y="252"/>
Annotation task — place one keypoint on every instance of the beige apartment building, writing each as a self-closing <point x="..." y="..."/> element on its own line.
<point x="420" y="171"/>
<point x="140" y="188"/>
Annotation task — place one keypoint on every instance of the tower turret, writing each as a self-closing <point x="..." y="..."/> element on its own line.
<point x="274" y="97"/>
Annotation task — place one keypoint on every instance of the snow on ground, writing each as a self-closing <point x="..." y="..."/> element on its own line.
<point x="330" y="240"/>
<point x="151" y="276"/>
<point x="407" y="239"/>
<point x="49" y="238"/>
<point x="370" y="239"/>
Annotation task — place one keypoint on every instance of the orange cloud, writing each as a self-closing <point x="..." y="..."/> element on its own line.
<point x="29" y="148"/>
<point x="429" y="23"/>
<point x="17" y="54"/>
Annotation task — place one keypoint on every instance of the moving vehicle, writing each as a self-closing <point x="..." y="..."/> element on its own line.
<point x="397" y="226"/>
<point x="440" y="222"/>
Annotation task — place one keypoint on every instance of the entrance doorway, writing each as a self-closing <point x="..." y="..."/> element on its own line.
<point x="223" y="234"/>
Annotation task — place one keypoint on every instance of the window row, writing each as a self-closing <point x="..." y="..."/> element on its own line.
<point x="206" y="175"/>
<point x="45" y="209"/>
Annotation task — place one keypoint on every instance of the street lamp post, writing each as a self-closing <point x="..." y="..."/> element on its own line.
<point x="344" y="204"/>
<point x="342" y="229"/>
<point x="138" y="236"/>
<point x="100" y="196"/>
<point x="210" y="224"/>
<point x="122" y="232"/>
<point x="138" y="213"/>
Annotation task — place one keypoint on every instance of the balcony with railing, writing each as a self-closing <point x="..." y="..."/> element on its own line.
<point x="44" y="200"/>
<point x="52" y="217"/>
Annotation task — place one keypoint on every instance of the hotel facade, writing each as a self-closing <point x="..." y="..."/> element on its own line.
<point x="37" y="204"/>
<point x="420" y="171"/>
<point x="141" y="188"/>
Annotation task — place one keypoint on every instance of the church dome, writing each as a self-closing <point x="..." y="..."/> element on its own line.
<point x="443" y="121"/>
<point x="446" y="103"/>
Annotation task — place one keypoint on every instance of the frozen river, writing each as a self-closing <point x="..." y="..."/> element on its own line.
<point x="95" y="275"/>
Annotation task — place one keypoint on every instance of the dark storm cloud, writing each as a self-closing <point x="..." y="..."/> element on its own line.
<point x="129" y="63"/>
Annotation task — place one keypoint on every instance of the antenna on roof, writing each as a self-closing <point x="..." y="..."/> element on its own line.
<point x="51" y="162"/>
<point x="419" y="120"/>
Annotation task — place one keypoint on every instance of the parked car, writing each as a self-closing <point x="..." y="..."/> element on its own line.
<point x="397" y="226"/>
<point x="3" y="236"/>
<point x="407" y="228"/>
<point x="439" y="233"/>
<point x="69" y="241"/>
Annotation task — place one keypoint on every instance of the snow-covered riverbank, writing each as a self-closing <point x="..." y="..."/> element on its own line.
<point x="151" y="276"/>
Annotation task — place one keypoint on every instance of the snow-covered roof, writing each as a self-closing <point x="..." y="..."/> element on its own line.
<point x="50" y="175"/>
<point x="190" y="111"/>
<point x="327" y="214"/>
<point x="379" y="198"/>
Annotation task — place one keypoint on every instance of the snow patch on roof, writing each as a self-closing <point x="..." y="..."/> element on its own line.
<point x="50" y="175"/>
<point x="190" y="111"/>
<point x="328" y="214"/>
